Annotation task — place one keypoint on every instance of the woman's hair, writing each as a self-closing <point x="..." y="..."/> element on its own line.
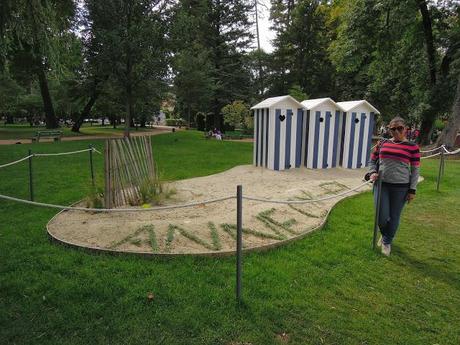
<point x="398" y="119"/>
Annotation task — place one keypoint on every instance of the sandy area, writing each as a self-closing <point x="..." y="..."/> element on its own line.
<point x="188" y="230"/>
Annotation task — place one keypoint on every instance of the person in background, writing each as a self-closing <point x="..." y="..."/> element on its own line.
<point x="218" y="135"/>
<point x="396" y="161"/>
<point x="416" y="134"/>
<point x="409" y="133"/>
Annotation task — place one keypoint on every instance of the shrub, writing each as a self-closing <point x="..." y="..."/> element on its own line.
<point x="95" y="198"/>
<point x="235" y="114"/>
<point x="175" y="122"/>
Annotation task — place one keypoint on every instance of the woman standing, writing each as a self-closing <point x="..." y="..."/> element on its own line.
<point x="396" y="161"/>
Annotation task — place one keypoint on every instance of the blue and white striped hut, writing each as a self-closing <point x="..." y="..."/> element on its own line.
<point x="357" y="129"/>
<point x="278" y="134"/>
<point x="321" y="150"/>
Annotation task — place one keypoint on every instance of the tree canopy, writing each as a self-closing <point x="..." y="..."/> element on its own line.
<point x="124" y="58"/>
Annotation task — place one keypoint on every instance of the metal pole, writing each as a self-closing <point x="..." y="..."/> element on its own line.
<point x="441" y="162"/>
<point x="378" y="187"/>
<point x="443" y="157"/>
<point x="31" y="184"/>
<point x="91" y="163"/>
<point x="239" y="239"/>
<point x="107" y="172"/>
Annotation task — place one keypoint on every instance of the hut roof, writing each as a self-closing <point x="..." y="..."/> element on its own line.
<point x="313" y="103"/>
<point x="269" y="102"/>
<point x="350" y="105"/>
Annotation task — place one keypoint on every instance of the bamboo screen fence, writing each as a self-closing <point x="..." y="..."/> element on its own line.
<point x="128" y="165"/>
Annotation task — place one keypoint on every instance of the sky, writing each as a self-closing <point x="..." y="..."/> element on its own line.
<point x="264" y="26"/>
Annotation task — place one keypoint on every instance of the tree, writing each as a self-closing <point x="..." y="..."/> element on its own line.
<point x="37" y="38"/>
<point x="394" y="53"/>
<point x="10" y="93"/>
<point x="193" y="83"/>
<point x="131" y="35"/>
<point x="300" y="58"/>
<point x="216" y="34"/>
<point x="235" y="114"/>
<point x="450" y="131"/>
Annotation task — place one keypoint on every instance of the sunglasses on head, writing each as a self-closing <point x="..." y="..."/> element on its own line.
<point x="399" y="128"/>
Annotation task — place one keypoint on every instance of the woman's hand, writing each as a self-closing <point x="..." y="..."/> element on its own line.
<point x="374" y="177"/>
<point x="410" y="197"/>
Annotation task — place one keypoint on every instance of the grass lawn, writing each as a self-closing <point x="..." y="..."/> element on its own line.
<point x="26" y="132"/>
<point x="328" y="288"/>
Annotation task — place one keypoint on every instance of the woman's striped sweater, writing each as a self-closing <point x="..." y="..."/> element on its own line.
<point x="398" y="162"/>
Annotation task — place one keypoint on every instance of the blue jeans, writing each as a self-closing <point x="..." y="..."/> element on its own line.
<point x="391" y="205"/>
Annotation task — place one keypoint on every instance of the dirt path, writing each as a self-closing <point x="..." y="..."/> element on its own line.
<point x="154" y="131"/>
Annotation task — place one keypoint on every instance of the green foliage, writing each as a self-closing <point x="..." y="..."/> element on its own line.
<point x="175" y="122"/>
<point x="300" y="63"/>
<point x="153" y="191"/>
<point x="266" y="218"/>
<point x="231" y="230"/>
<point x="209" y="41"/>
<point x="95" y="198"/>
<point x="236" y="115"/>
<point x="191" y="236"/>
<point x="304" y="212"/>
<point x="439" y="125"/>
<point x="152" y="237"/>
<point x="215" y="236"/>
<point x="110" y="59"/>
<point x="169" y="238"/>
<point x="129" y="239"/>
<point x="296" y="92"/>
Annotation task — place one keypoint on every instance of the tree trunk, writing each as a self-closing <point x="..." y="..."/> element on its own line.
<point x="113" y="121"/>
<point x="428" y="116"/>
<point x="449" y="133"/>
<point x="259" y="52"/>
<point x="85" y="113"/>
<point x="129" y="68"/>
<point x="50" y="118"/>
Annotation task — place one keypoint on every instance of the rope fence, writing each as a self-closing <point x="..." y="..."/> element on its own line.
<point x="451" y="152"/>
<point x="15" y="162"/>
<point x="445" y="152"/>
<point x="170" y="207"/>
<point x="47" y="155"/>
<point x="192" y="204"/>
<point x="432" y="150"/>
<point x="31" y="155"/>
<point x="115" y="210"/>
<point x="305" y="201"/>
<point x="431" y="156"/>
<point x="64" y="153"/>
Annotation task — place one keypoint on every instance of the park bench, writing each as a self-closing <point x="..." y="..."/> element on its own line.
<point x="56" y="135"/>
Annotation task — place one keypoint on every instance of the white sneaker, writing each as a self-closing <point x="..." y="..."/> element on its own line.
<point x="386" y="249"/>
<point x="379" y="243"/>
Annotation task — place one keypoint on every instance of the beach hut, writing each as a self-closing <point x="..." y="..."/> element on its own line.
<point x="321" y="148"/>
<point x="278" y="133"/>
<point x="357" y="129"/>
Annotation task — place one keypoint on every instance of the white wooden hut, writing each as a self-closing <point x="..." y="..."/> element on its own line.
<point x="321" y="149"/>
<point x="278" y="133"/>
<point x="357" y="129"/>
